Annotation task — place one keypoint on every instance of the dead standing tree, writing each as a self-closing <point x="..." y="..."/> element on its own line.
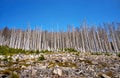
<point x="84" y="38"/>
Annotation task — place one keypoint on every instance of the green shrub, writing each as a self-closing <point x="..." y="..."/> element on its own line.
<point x="4" y="50"/>
<point x="37" y="52"/>
<point x="17" y="60"/>
<point x="70" y="50"/>
<point x="41" y="58"/>
<point x="118" y="54"/>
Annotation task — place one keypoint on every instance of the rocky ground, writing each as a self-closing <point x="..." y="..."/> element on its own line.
<point x="60" y="65"/>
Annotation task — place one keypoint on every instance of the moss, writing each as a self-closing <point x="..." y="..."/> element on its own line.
<point x="14" y="75"/>
<point x="5" y="72"/>
<point x="10" y="63"/>
<point x="3" y="65"/>
<point x="25" y="64"/>
<point x="109" y="73"/>
<point x="14" y="68"/>
<point x="86" y="61"/>
<point x="102" y="65"/>
<point x="51" y="64"/>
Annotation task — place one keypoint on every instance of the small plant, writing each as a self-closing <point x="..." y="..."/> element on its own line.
<point x="76" y="53"/>
<point x="14" y="75"/>
<point x="17" y="60"/>
<point x="37" y="52"/>
<point x="96" y="53"/>
<point x="60" y="49"/>
<point x="30" y="52"/>
<point x="70" y="50"/>
<point x="107" y="53"/>
<point x="118" y="54"/>
<point x="5" y="59"/>
<point x="41" y="58"/>
<point x="10" y="58"/>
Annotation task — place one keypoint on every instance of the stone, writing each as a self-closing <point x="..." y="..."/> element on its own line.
<point x="23" y="67"/>
<point x="94" y="62"/>
<point x="64" y="58"/>
<point x="57" y="61"/>
<point x="28" y="62"/>
<point x="3" y="76"/>
<point x="34" y="72"/>
<point x="105" y="76"/>
<point x="43" y="67"/>
<point x="2" y="69"/>
<point x="1" y="56"/>
<point x="81" y="59"/>
<point x="78" y="72"/>
<point x="57" y="71"/>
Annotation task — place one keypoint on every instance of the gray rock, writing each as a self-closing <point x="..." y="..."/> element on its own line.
<point x="105" y="76"/>
<point x="58" y="71"/>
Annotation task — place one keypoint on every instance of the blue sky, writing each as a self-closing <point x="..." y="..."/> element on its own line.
<point x="50" y="13"/>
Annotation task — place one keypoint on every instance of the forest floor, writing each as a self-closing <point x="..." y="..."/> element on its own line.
<point x="60" y="65"/>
